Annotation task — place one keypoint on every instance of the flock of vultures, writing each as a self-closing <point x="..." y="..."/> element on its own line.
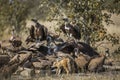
<point x="49" y="52"/>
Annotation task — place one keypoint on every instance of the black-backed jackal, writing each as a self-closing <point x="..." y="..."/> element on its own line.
<point x="63" y="63"/>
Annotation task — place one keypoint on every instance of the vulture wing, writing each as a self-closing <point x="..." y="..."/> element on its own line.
<point x="62" y="27"/>
<point x="32" y="30"/>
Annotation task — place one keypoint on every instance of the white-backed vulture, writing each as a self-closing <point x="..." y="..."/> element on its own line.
<point x="82" y="61"/>
<point x="96" y="64"/>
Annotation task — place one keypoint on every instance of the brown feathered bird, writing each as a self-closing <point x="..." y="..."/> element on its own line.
<point x="96" y="63"/>
<point x="31" y="37"/>
<point x="10" y="68"/>
<point x="70" y="30"/>
<point x="15" y="40"/>
<point x="82" y="61"/>
<point x="37" y="32"/>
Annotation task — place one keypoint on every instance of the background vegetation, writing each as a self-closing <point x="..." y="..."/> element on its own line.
<point x="89" y="15"/>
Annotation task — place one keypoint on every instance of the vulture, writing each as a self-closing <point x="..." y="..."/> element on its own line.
<point x="70" y="30"/>
<point x="76" y="47"/>
<point x="37" y="32"/>
<point x="86" y="49"/>
<point x="15" y="41"/>
<point x="31" y="37"/>
<point x="40" y="31"/>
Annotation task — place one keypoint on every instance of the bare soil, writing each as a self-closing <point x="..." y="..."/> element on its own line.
<point x="110" y="75"/>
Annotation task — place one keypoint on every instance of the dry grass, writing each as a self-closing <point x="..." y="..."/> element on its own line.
<point x="80" y="76"/>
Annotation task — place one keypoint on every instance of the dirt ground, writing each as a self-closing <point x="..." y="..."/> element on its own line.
<point x="110" y="75"/>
